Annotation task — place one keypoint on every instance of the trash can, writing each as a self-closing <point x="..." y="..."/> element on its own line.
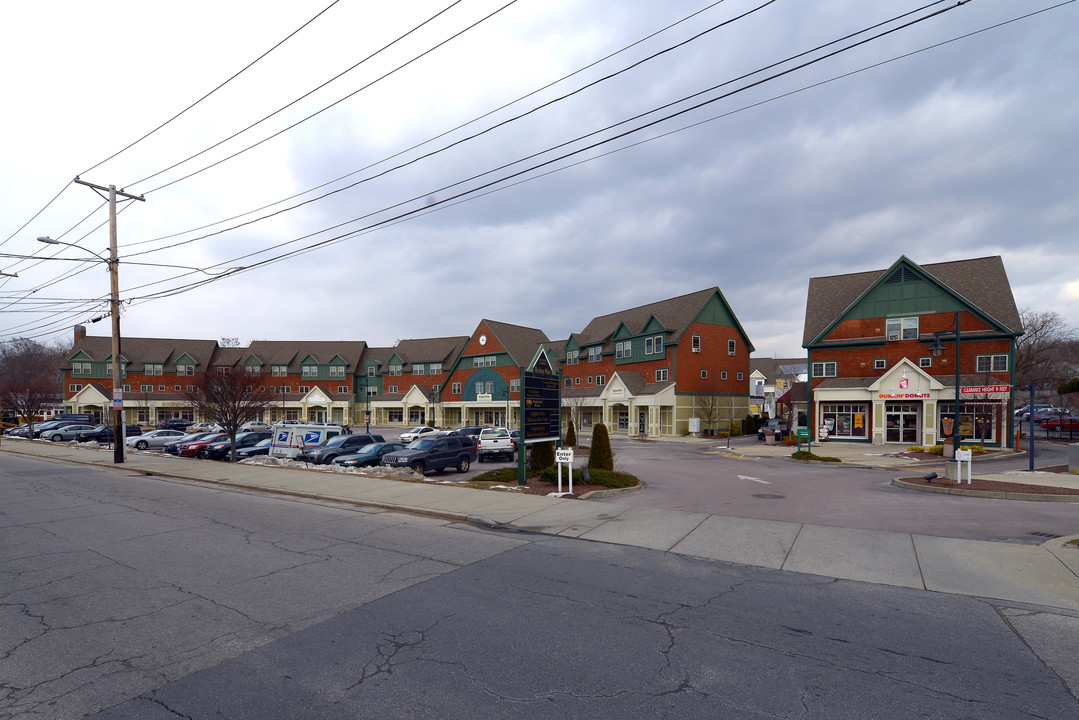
<point x="769" y="437"/>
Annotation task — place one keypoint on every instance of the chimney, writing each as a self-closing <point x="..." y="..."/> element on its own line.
<point x="80" y="332"/>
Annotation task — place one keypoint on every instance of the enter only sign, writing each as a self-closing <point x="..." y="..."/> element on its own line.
<point x="563" y="455"/>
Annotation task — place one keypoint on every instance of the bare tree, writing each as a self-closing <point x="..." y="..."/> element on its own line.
<point x="576" y="405"/>
<point x="230" y="342"/>
<point x="230" y="396"/>
<point x="1040" y="352"/>
<point x="30" y="378"/>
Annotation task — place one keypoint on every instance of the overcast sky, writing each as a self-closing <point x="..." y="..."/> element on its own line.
<point x="611" y="191"/>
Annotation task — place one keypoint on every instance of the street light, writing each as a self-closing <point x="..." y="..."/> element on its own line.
<point x="937" y="350"/>
<point x="118" y="426"/>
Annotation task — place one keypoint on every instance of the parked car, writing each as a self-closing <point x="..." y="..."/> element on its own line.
<point x="1024" y="412"/>
<point x="472" y="432"/>
<point x="155" y="439"/>
<point x="191" y="449"/>
<point x="368" y="455"/>
<point x="776" y="425"/>
<point x="434" y="454"/>
<point x="1046" y="413"/>
<point x="172" y="447"/>
<point x="336" y="446"/>
<point x="416" y="433"/>
<point x="262" y="447"/>
<point x="174" y="424"/>
<point x="68" y="432"/>
<point x="53" y="425"/>
<point x="222" y="449"/>
<point x="495" y="442"/>
<point x="103" y="433"/>
<point x="254" y="426"/>
<point x="1057" y="422"/>
<point x="204" y="427"/>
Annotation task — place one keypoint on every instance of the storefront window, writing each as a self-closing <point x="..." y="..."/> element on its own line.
<point x="845" y="420"/>
<point x="977" y="420"/>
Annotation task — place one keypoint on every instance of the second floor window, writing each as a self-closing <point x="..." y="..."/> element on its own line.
<point x="395" y="370"/>
<point x="661" y="375"/>
<point x="310" y="371"/>
<point x="456" y="388"/>
<point x="418" y="369"/>
<point x="279" y="370"/>
<point x="732" y="347"/>
<point x="623" y="349"/>
<point x="185" y="369"/>
<point x="902" y="328"/>
<point x="991" y="363"/>
<point x="824" y="369"/>
<point x="594" y="354"/>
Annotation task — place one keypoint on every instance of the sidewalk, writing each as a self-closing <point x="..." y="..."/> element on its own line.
<point x="875" y="456"/>
<point x="1043" y="575"/>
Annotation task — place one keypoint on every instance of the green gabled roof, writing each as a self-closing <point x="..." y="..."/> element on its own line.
<point x="979" y="286"/>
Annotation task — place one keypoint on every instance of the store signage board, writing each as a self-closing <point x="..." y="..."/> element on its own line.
<point x="984" y="389"/>
<point x="540" y="401"/>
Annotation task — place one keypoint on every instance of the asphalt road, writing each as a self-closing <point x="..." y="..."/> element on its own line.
<point x="693" y="477"/>
<point x="129" y="597"/>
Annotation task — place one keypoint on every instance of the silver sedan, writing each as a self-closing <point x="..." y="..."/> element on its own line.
<point x="155" y="439"/>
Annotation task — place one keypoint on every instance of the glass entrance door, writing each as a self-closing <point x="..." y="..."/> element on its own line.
<point x="901" y="423"/>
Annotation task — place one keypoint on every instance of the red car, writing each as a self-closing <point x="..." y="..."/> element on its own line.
<point x="191" y="449"/>
<point x="1068" y="422"/>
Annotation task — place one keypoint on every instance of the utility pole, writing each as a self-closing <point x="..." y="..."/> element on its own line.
<point x="118" y="425"/>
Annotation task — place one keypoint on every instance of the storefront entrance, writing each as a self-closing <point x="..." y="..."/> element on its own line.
<point x="901" y="423"/>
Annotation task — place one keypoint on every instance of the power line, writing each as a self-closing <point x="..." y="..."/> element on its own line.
<point x="223" y="84"/>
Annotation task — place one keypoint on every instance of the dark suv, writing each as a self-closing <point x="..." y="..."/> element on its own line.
<point x="437" y="453"/>
<point x="337" y="445"/>
<point x="175" y="424"/>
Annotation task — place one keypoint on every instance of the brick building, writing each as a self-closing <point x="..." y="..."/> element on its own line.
<point x="872" y="373"/>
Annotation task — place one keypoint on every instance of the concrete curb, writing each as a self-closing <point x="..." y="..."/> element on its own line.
<point x="945" y="490"/>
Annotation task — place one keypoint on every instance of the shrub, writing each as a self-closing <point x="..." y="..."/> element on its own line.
<point x="916" y="448"/>
<point x="935" y="449"/>
<point x="601" y="457"/>
<point x="752" y="423"/>
<point x="571" y="435"/>
<point x="976" y="449"/>
<point x="609" y="478"/>
<point x="542" y="455"/>
<point x="803" y="455"/>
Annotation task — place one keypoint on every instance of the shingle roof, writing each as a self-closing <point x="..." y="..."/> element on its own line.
<point x="140" y="351"/>
<point x="982" y="282"/>
<point x="772" y="368"/>
<point x="519" y="341"/>
<point x="426" y="350"/>
<point x="674" y="313"/>
<point x="293" y="352"/>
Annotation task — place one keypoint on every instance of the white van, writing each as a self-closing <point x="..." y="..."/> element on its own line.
<point x="288" y="441"/>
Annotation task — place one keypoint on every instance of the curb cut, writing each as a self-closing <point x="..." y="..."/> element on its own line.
<point x="1033" y="497"/>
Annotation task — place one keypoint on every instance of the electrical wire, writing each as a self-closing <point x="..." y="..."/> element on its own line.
<point x="207" y="95"/>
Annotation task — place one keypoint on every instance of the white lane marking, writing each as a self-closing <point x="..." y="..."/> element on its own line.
<point x="757" y="480"/>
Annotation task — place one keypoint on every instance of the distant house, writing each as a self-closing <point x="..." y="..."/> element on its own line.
<point x="770" y="378"/>
<point x="872" y="373"/>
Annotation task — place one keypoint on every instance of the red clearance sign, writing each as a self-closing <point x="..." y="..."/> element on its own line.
<point x="979" y="389"/>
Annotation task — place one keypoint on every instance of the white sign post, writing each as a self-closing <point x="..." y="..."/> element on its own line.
<point x="564" y="455"/>
<point x="962" y="456"/>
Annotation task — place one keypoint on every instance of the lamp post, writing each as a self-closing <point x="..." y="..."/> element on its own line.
<point x="114" y="310"/>
<point x="937" y="350"/>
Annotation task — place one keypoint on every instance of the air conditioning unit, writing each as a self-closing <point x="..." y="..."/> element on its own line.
<point x="696" y="349"/>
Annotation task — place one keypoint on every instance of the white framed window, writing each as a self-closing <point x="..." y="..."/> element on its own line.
<point x="395" y="370"/>
<point x="653" y="345"/>
<point x="305" y="389"/>
<point x="310" y="371"/>
<point x="623" y="349"/>
<point x="489" y="361"/>
<point x="436" y="387"/>
<point x="741" y="375"/>
<point x="342" y="389"/>
<point x="515" y="385"/>
<point x="372" y="390"/>
<point x="455" y="388"/>
<point x="991" y="363"/>
<point x="155" y="369"/>
<point x="925" y="362"/>
<point x="567" y="382"/>
<point x="436" y="368"/>
<point x="176" y="388"/>
<point x="74" y="387"/>
<point x="880" y="364"/>
<point x="590" y="379"/>
<point x="186" y="370"/>
<point x="601" y="380"/>
<point x="337" y="371"/>
<point x="722" y="374"/>
<point x="393" y="388"/>
<point x="279" y="370"/>
<point x="661" y="375"/>
<point x="287" y="389"/>
<point x="577" y="380"/>
<point x="704" y="374"/>
<point x="902" y="328"/>
<point x="81" y="368"/>
<point x="824" y="369"/>
<point x="418" y="369"/>
<point x="732" y="347"/>
<point x="572" y="357"/>
<point x="146" y="388"/>
<point x="594" y="354"/>
<point x="161" y="388"/>
<point x="371" y="371"/>
<point x="127" y="388"/>
<point x="695" y="343"/>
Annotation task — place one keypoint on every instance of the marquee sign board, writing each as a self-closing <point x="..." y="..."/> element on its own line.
<point x="540" y="401"/>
